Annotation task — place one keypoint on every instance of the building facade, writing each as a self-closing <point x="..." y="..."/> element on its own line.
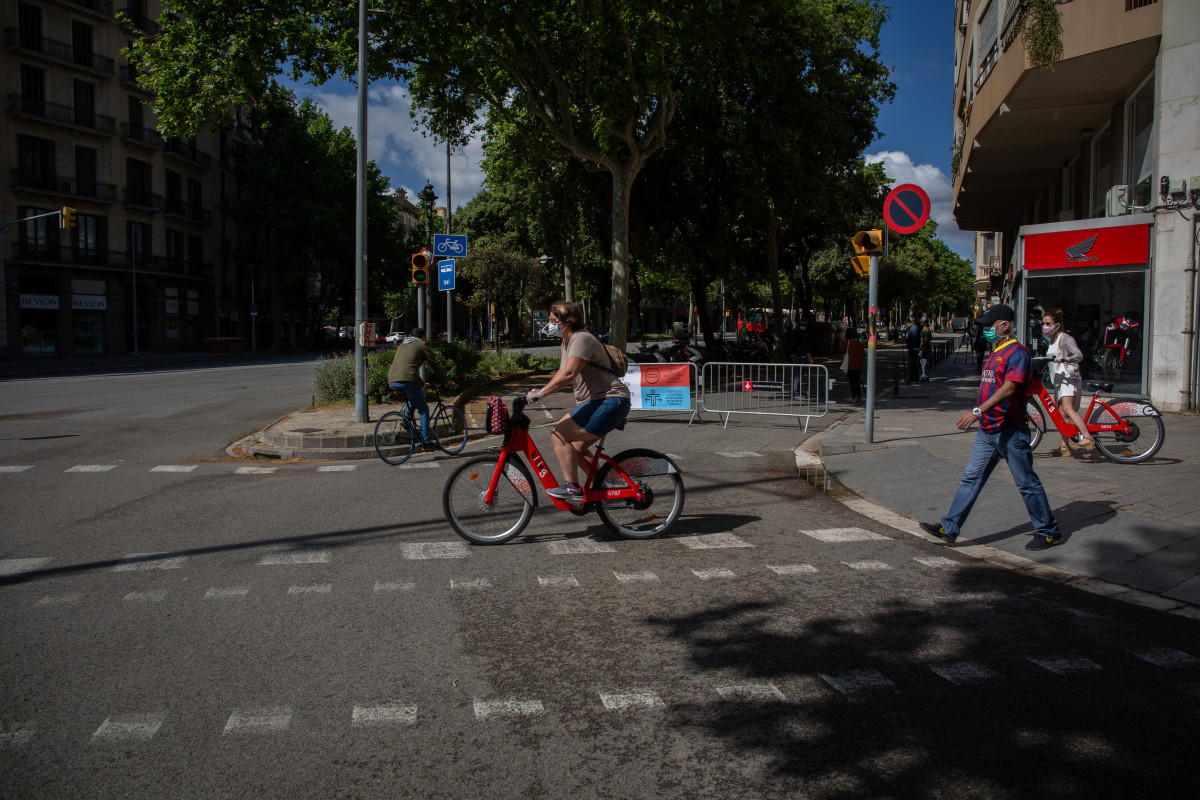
<point x="1083" y="182"/>
<point x="151" y="263"/>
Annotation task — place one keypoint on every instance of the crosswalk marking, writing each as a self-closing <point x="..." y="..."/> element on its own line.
<point x="867" y="566"/>
<point x="259" y="719"/>
<point x="60" y="600"/>
<point x="792" y="569"/>
<point x="635" y="577"/>
<point x="631" y="699"/>
<point x="714" y="572"/>
<point x="145" y="597"/>
<point x="711" y="541"/>
<point x="964" y="672"/>
<point x="16" y="733"/>
<point x="91" y="468"/>
<point x="15" y="566"/>
<point x="141" y="562"/>
<point x="845" y="535"/>
<point x="750" y="692"/>
<point x="424" y="550"/>
<point x="387" y="714"/>
<point x="297" y="555"/>
<point x="507" y="708"/>
<point x="337" y="468"/>
<point x="15" y="468"/>
<point x="130" y="727"/>
<point x="858" y="681"/>
<point x="937" y="562"/>
<point x="578" y="546"/>
<point x="558" y="580"/>
<point x="174" y="468"/>
<point x="255" y="470"/>
<point x="1065" y="665"/>
<point x="741" y="454"/>
<point x="217" y="593"/>
<point x="318" y="588"/>
<point x="1168" y="657"/>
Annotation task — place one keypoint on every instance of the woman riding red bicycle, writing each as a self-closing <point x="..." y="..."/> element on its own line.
<point x="1066" y="378"/>
<point x="603" y="399"/>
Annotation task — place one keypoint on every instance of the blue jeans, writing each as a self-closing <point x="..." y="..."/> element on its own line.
<point x="416" y="399"/>
<point x="1013" y="446"/>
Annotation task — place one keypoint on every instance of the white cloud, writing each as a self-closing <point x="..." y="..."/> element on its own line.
<point x="405" y="155"/>
<point x="901" y="169"/>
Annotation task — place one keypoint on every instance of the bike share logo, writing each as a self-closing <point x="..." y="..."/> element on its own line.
<point x="539" y="464"/>
<point x="1078" y="254"/>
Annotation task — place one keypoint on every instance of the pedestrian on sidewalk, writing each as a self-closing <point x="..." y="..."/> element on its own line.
<point x="1003" y="434"/>
<point x="854" y="350"/>
<point x="799" y="350"/>
<point x="981" y="347"/>
<point x="926" y="348"/>
<point x="1065" y="377"/>
<point x="912" y="340"/>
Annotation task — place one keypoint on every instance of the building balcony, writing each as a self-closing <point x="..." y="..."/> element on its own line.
<point x="54" y="184"/>
<point x="131" y="15"/>
<point x="1020" y="125"/>
<point x="19" y="105"/>
<point x="140" y="134"/>
<point x="186" y="151"/>
<point x="142" y="198"/>
<point x="101" y="8"/>
<point x="68" y="255"/>
<point x="129" y="79"/>
<point x="189" y="211"/>
<point x="57" y="52"/>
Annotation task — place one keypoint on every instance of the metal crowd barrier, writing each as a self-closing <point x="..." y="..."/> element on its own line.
<point x="789" y="390"/>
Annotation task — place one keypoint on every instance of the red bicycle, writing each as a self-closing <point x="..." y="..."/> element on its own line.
<point x="1127" y="430"/>
<point x="489" y="499"/>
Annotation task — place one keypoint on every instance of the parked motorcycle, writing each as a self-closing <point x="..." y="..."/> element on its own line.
<point x="1121" y="351"/>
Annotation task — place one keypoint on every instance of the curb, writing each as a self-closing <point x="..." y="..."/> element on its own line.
<point x="808" y="456"/>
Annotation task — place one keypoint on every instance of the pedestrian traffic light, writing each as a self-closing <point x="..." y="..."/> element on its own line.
<point x="862" y="264"/>
<point x="420" y="268"/>
<point x="868" y="242"/>
<point x="67" y="217"/>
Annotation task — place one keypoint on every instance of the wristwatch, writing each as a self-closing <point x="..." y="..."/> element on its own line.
<point x="976" y="411"/>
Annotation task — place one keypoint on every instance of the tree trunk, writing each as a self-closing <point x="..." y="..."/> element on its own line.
<point x="700" y="289"/>
<point x="773" y="274"/>
<point x="622" y="178"/>
<point x="569" y="269"/>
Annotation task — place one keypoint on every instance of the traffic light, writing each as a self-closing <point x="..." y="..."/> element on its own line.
<point x="420" y="268"/>
<point x="67" y="217"/>
<point x="868" y="242"/>
<point x="862" y="264"/>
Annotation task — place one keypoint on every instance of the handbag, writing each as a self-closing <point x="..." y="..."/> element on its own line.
<point x="846" y="362"/>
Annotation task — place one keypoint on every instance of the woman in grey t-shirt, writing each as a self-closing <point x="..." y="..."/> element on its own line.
<point x="603" y="399"/>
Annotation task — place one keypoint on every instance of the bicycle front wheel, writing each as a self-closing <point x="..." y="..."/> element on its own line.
<point x="1037" y="423"/>
<point x="472" y="517"/>
<point x="1141" y="444"/>
<point x="450" y="430"/>
<point x="659" y="478"/>
<point x="394" y="438"/>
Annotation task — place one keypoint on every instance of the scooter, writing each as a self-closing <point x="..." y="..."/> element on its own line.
<point x="1121" y="349"/>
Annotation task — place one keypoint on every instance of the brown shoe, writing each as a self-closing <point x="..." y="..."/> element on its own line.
<point x="1062" y="451"/>
<point x="1087" y="444"/>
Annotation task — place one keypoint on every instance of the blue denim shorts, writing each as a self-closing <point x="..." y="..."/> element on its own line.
<point x="598" y="417"/>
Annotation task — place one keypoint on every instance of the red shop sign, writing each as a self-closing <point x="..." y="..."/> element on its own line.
<point x="1097" y="247"/>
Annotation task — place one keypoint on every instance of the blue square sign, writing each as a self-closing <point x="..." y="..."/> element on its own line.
<point x="447" y="245"/>
<point x="446" y="275"/>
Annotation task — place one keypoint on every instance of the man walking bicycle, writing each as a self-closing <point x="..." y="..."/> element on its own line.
<point x="1003" y="433"/>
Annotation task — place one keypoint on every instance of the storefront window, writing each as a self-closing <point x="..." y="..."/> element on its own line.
<point x="1106" y="315"/>
<point x="89" y="332"/>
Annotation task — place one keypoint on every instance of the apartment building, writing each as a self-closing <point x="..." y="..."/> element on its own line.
<point x="1083" y="183"/>
<point x="151" y="263"/>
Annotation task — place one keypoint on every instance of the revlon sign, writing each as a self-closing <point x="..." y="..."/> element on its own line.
<point x="1097" y="247"/>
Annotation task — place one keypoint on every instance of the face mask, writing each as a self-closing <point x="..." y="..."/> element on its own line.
<point x="1048" y="329"/>
<point x="990" y="334"/>
<point x="553" y="329"/>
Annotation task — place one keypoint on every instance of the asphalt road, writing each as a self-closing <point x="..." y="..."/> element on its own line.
<point x="178" y="625"/>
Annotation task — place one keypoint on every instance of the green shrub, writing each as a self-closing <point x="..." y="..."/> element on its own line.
<point x="335" y="380"/>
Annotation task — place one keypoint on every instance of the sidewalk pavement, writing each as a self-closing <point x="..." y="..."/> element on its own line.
<point x="1132" y="527"/>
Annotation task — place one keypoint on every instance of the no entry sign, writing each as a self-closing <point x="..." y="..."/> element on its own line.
<point x="906" y="208"/>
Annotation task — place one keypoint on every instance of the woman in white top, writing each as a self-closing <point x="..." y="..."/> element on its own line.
<point x="1065" y="377"/>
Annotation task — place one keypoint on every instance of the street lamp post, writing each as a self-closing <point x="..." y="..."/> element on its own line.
<point x="361" y="412"/>
<point x="133" y="251"/>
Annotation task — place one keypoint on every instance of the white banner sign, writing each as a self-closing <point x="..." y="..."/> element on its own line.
<point x="89" y="302"/>
<point x="49" y="301"/>
<point x="172" y="305"/>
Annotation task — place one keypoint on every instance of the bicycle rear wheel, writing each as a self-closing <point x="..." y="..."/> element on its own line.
<point x="394" y="438"/>
<point x="450" y="430"/>
<point x="511" y="507"/>
<point x="1037" y="423"/>
<point x="660" y="479"/>
<point x="1140" y="445"/>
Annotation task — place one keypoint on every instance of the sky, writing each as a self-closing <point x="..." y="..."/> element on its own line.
<point x="914" y="145"/>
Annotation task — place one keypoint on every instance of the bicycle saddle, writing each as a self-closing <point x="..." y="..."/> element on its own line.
<point x="1100" y="386"/>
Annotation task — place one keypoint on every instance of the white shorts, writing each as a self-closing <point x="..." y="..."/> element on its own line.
<point x="1069" y="387"/>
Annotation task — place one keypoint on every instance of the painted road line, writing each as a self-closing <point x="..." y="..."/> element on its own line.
<point x="631" y="699"/>
<point x="15" y="566"/>
<point x="711" y="541"/>
<point x="424" y="550"/>
<point x="316" y="588"/>
<point x="130" y="727"/>
<point x="1167" y="657"/>
<point x="16" y="733"/>
<point x="578" y="546"/>
<point x="259" y="719"/>
<point x="1066" y="665"/>
<point x="419" y="465"/>
<point x="59" y="600"/>
<point x="859" y="681"/>
<point x="223" y="593"/>
<point x="387" y="714"/>
<point x="714" y="572"/>
<point x="845" y="535"/>
<point x="750" y="692"/>
<point x="484" y="709"/>
<point x="174" y="468"/>
<point x="792" y="569"/>
<point x="965" y="673"/>
<point x="144" y="562"/>
<point x="296" y="555"/>
<point x="473" y="583"/>
<point x="91" y="468"/>
<point x="867" y="566"/>
<point x="15" y="468"/>
<point x="337" y="468"/>
<point x="741" y="454"/>
<point x="255" y="470"/>
<point x="145" y="597"/>
<point x="558" y="580"/>
<point x="937" y="562"/>
<point x="635" y="577"/>
<point x="398" y="586"/>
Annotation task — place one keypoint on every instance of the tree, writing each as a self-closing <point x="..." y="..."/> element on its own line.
<point x="507" y="277"/>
